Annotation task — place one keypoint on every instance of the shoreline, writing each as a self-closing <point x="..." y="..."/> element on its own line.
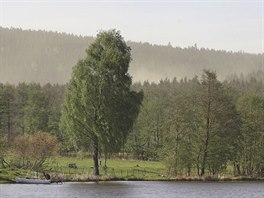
<point x="175" y="179"/>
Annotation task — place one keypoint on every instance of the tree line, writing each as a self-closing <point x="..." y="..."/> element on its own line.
<point x="27" y="108"/>
<point x="42" y="56"/>
<point x="196" y="126"/>
<point x="201" y="126"/>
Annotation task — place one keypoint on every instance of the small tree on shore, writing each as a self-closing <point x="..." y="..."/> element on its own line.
<point x="35" y="149"/>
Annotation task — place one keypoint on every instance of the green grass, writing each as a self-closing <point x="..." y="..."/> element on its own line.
<point x="116" y="170"/>
<point x="9" y="174"/>
<point x="123" y="169"/>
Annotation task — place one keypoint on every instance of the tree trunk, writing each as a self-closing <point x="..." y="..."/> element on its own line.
<point x="189" y="170"/>
<point x="176" y="154"/>
<point x="95" y="156"/>
<point x="207" y="131"/>
<point x="8" y="122"/>
<point x="205" y="156"/>
<point x="198" y="169"/>
<point x="238" y="169"/>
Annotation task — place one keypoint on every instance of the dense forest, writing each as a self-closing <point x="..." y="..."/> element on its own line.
<point x="48" y="57"/>
<point x="196" y="126"/>
<point x="204" y="117"/>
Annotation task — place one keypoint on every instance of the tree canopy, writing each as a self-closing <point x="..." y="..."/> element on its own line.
<point x="99" y="106"/>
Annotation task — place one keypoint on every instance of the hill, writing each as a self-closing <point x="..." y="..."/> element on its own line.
<point x="41" y="56"/>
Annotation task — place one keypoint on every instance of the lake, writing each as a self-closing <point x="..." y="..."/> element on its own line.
<point x="133" y="189"/>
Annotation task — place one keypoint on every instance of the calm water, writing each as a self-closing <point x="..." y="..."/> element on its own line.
<point x="135" y="189"/>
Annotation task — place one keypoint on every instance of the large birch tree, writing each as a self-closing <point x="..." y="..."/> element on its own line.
<point x="99" y="107"/>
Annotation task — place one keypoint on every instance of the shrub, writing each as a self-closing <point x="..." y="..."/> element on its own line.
<point x="35" y="149"/>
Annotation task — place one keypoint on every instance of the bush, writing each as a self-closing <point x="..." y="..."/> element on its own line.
<point x="3" y="150"/>
<point x="35" y="149"/>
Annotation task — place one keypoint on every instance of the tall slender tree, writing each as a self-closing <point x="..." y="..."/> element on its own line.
<point x="220" y="123"/>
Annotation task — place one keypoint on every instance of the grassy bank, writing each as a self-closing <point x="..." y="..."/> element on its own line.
<point x="127" y="170"/>
<point x="8" y="175"/>
<point x="116" y="170"/>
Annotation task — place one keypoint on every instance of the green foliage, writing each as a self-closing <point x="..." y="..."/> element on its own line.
<point x="7" y="110"/>
<point x="251" y="83"/>
<point x="99" y="105"/>
<point x="182" y="139"/>
<point x="3" y="150"/>
<point x="9" y="174"/>
<point x="251" y="158"/>
<point x="189" y="124"/>
<point x="170" y="126"/>
<point x="54" y="95"/>
<point x="35" y="117"/>
<point x="220" y="122"/>
<point x="26" y="108"/>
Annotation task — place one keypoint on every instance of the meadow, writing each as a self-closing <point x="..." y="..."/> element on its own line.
<point x="117" y="169"/>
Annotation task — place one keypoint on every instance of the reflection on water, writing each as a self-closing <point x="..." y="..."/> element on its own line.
<point x="135" y="189"/>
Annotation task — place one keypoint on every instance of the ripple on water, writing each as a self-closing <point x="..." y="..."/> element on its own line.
<point x="135" y="189"/>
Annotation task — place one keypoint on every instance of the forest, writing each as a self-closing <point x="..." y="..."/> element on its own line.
<point x="48" y="57"/>
<point x="197" y="126"/>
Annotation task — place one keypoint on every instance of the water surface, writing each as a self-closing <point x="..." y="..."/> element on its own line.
<point x="135" y="189"/>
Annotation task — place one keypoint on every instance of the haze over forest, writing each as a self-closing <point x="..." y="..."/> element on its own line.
<point x="41" y="56"/>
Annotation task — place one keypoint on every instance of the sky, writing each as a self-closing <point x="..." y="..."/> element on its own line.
<point x="231" y="25"/>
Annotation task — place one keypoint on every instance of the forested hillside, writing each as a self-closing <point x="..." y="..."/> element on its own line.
<point x="44" y="57"/>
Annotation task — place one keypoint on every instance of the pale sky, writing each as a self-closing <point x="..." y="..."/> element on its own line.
<point x="232" y="25"/>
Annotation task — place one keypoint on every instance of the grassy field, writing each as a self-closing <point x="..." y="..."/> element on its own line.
<point x="115" y="168"/>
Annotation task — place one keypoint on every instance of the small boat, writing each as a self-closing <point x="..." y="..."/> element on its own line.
<point x="32" y="181"/>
